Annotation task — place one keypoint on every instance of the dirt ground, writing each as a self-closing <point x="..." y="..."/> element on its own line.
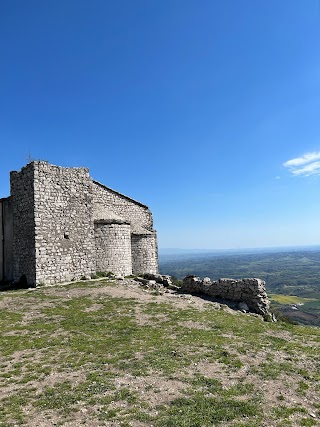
<point x="157" y="389"/>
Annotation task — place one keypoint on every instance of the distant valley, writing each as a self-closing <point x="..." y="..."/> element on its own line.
<point x="288" y="272"/>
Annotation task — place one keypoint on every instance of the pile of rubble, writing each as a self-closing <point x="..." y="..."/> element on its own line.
<point x="156" y="281"/>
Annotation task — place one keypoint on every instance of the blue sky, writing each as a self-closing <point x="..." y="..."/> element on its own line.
<point x="207" y="111"/>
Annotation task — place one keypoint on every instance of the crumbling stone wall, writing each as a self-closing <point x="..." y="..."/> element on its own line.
<point x="251" y="291"/>
<point x="64" y="230"/>
<point x="144" y="253"/>
<point x="23" y="245"/>
<point x="113" y="247"/>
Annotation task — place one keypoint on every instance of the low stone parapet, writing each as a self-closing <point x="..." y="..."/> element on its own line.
<point x="250" y="291"/>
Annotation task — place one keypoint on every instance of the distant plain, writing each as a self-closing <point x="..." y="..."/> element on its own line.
<point x="292" y="275"/>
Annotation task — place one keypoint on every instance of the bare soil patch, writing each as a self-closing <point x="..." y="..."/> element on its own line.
<point x="117" y="354"/>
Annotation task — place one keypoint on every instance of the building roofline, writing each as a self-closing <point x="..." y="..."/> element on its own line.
<point x="120" y="194"/>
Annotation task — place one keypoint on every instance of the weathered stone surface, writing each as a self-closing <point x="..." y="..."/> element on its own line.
<point x="109" y="205"/>
<point x="251" y="291"/>
<point x="64" y="235"/>
<point x="23" y="215"/>
<point x="108" y="202"/>
<point x="159" y="278"/>
<point x="67" y="226"/>
<point x="157" y="281"/>
<point x="151" y="284"/>
<point x="144" y="249"/>
<point x="113" y="248"/>
<point x="6" y="240"/>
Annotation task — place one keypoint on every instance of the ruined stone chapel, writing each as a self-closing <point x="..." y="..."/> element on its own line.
<point x="59" y="225"/>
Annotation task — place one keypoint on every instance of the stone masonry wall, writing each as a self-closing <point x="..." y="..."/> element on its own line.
<point x="144" y="253"/>
<point x="54" y="210"/>
<point x="250" y="291"/>
<point x="64" y="230"/>
<point x="22" y="196"/>
<point x="106" y="199"/>
<point x="6" y="239"/>
<point x="113" y="247"/>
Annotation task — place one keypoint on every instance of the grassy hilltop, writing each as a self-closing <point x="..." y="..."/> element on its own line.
<point x="107" y="354"/>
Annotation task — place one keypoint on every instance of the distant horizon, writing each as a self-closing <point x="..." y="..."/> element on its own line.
<point x="258" y="248"/>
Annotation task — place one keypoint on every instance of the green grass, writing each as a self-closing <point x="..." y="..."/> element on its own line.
<point x="290" y="299"/>
<point x="110" y="359"/>
<point x="201" y="410"/>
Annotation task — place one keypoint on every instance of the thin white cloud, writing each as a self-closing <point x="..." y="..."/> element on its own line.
<point x="311" y="169"/>
<point x="305" y="165"/>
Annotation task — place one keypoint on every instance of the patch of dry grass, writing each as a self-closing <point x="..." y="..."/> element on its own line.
<point x="114" y="354"/>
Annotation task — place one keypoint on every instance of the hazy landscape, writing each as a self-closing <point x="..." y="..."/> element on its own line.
<point x="292" y="275"/>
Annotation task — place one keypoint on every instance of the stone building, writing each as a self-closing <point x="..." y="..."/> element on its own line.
<point x="59" y="225"/>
